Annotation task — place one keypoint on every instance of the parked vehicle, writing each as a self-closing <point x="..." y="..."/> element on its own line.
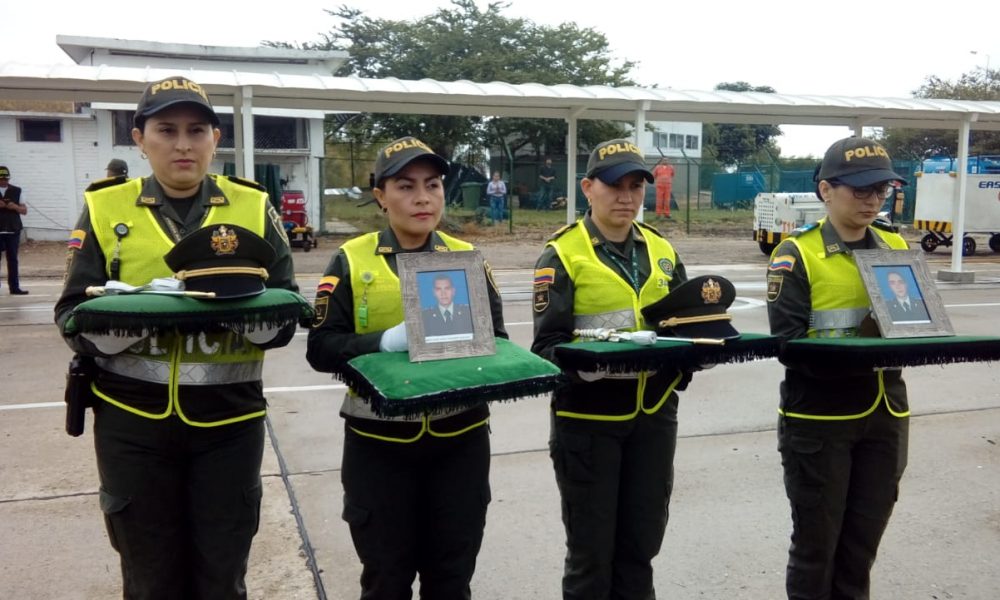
<point x="936" y="196"/>
<point x="296" y="220"/>
<point x="775" y="215"/>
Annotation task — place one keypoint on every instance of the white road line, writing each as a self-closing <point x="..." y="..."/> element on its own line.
<point x="305" y="388"/>
<point x="32" y="405"/>
<point x="271" y="390"/>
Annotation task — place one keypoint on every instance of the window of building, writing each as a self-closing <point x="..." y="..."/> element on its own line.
<point x="270" y="133"/>
<point x="676" y="140"/>
<point x="660" y="140"/>
<point x="121" y="127"/>
<point x="691" y="142"/>
<point x="40" y="130"/>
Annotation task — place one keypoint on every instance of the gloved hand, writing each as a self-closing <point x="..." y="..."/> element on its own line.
<point x="262" y="334"/>
<point x="113" y="344"/>
<point x="590" y="376"/>
<point x="394" y="339"/>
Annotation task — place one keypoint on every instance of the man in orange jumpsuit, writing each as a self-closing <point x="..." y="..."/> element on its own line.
<point x="663" y="175"/>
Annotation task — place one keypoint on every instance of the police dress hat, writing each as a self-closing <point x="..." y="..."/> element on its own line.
<point x="117" y="167"/>
<point x="857" y="162"/>
<point x="695" y="309"/>
<point x="395" y="155"/>
<point x="612" y="160"/>
<point x="169" y="92"/>
<point x="229" y="260"/>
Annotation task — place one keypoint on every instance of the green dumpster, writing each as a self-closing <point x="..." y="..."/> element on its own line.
<point x="471" y="192"/>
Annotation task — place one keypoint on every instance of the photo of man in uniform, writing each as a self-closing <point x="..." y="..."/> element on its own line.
<point x="903" y="306"/>
<point x="446" y="320"/>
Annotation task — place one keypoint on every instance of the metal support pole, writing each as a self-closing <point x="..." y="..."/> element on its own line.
<point x="958" y="207"/>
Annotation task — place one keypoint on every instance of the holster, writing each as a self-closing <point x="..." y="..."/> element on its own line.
<point x="79" y="395"/>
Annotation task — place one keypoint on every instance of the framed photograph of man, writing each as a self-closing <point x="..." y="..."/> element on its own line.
<point x="447" y="309"/>
<point x="904" y="300"/>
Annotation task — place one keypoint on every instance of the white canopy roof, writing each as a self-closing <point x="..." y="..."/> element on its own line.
<point x="319" y="91"/>
<point x="247" y="90"/>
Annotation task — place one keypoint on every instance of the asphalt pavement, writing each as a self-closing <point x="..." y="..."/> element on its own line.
<point x="729" y="522"/>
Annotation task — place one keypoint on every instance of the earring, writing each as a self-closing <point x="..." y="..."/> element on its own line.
<point x="143" y="156"/>
<point x="384" y="210"/>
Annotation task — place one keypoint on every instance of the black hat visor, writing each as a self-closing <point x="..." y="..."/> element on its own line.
<point x="441" y="164"/>
<point x="612" y="174"/>
<point x="721" y="329"/>
<point x="158" y="108"/>
<point x="865" y="178"/>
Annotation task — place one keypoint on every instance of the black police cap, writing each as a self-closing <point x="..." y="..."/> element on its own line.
<point x="695" y="309"/>
<point x="169" y="92"/>
<point x="857" y="162"/>
<point x="395" y="155"/>
<point x="229" y="260"/>
<point x="614" y="159"/>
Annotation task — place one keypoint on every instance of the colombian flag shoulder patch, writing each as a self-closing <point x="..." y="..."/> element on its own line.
<point x="782" y="263"/>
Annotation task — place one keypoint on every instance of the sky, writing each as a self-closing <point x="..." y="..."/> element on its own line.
<point x="874" y="48"/>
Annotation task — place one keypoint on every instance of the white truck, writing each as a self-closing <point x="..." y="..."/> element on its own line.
<point x="936" y="196"/>
<point x="775" y="215"/>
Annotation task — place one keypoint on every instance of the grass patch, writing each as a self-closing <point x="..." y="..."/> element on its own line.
<point x="460" y="221"/>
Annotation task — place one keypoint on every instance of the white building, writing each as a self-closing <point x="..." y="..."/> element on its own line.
<point x="54" y="156"/>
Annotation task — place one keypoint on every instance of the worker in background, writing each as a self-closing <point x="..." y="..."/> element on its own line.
<point x="842" y="431"/>
<point x="663" y="177"/>
<point x="12" y="207"/>
<point x="117" y="168"/>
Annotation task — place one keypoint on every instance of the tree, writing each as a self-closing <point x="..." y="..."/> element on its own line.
<point x="731" y="144"/>
<point x="463" y="42"/>
<point x="918" y="144"/>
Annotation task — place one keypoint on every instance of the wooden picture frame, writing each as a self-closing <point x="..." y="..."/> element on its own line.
<point x="904" y="299"/>
<point x="466" y="329"/>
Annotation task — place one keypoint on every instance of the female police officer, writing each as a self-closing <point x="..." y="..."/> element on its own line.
<point x="613" y="435"/>
<point x="842" y="432"/>
<point x="415" y="489"/>
<point x="179" y="427"/>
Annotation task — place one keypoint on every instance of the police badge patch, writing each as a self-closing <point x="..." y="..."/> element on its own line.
<point x="544" y="277"/>
<point x="666" y="266"/>
<point x="774" y="286"/>
<point x="224" y="241"/>
<point x="320" y="310"/>
<point x="277" y="223"/>
<point x="711" y="292"/>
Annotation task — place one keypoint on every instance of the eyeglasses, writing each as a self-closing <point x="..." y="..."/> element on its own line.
<point x="881" y="190"/>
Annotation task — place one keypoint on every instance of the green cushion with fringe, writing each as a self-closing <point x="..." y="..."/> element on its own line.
<point x="895" y="352"/>
<point x="623" y="357"/>
<point x="130" y="314"/>
<point x="394" y="386"/>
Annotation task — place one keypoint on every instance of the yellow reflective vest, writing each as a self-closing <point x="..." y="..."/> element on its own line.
<point x="169" y="363"/>
<point x="839" y="304"/>
<point x="601" y="298"/>
<point x="377" y="289"/>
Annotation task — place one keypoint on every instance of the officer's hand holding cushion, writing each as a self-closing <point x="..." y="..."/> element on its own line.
<point x="589" y="376"/>
<point x="109" y="345"/>
<point x="394" y="339"/>
<point x="262" y="334"/>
